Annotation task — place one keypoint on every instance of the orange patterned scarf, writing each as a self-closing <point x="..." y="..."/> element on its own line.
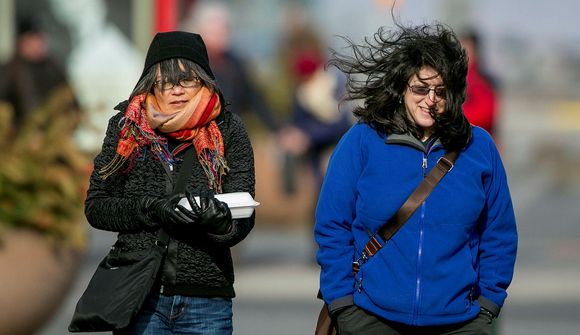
<point x="194" y="123"/>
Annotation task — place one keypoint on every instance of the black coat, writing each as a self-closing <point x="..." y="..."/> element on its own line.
<point x="198" y="263"/>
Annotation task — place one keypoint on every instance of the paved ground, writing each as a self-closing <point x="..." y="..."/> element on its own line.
<point x="276" y="293"/>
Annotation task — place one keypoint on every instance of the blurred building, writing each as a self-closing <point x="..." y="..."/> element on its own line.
<point x="527" y="49"/>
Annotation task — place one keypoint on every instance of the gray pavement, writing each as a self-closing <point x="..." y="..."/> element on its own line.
<point x="276" y="293"/>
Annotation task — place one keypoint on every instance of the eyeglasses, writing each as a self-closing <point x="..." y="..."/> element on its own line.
<point x="183" y="82"/>
<point x="440" y="91"/>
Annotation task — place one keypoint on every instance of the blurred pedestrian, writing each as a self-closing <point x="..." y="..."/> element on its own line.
<point x="176" y="106"/>
<point x="32" y="76"/>
<point x="99" y="52"/>
<point x="481" y="105"/>
<point x="447" y="269"/>
<point x="212" y="19"/>
<point x="316" y="122"/>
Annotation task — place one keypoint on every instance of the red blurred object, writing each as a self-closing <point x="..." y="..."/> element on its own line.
<point x="165" y="15"/>
<point x="306" y="63"/>
<point x="480" y="106"/>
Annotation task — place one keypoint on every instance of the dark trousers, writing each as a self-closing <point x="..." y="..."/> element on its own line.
<point x="356" y="321"/>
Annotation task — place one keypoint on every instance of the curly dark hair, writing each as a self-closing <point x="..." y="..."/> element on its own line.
<point x="379" y="70"/>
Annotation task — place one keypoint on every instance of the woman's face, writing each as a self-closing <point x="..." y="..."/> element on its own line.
<point x="425" y="94"/>
<point x="172" y="97"/>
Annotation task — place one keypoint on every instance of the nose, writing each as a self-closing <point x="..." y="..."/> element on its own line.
<point x="177" y="89"/>
<point x="431" y="98"/>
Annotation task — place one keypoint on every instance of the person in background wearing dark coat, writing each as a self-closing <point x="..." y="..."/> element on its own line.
<point x="317" y="120"/>
<point x="31" y="76"/>
<point x="317" y="115"/>
<point x="176" y="106"/>
<point x="212" y="19"/>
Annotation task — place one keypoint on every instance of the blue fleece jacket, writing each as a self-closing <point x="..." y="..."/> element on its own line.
<point x="456" y="252"/>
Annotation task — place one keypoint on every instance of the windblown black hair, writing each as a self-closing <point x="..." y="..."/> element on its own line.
<point x="380" y="68"/>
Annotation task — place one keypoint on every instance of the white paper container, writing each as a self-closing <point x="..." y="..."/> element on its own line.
<point x="241" y="204"/>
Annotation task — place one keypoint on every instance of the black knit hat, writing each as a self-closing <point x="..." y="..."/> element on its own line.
<point x="177" y="44"/>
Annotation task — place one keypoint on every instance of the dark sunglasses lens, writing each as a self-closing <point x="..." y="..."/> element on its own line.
<point x="440" y="92"/>
<point x="420" y="90"/>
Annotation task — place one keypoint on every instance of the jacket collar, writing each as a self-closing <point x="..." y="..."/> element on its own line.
<point x="409" y="140"/>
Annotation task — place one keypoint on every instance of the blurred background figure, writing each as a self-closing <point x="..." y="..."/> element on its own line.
<point x="42" y="181"/>
<point x="31" y="76"/>
<point x="212" y="20"/>
<point x="316" y="122"/>
<point x="481" y="104"/>
<point x="316" y="117"/>
<point x="102" y="64"/>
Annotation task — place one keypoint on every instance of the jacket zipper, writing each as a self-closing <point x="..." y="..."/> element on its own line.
<point x="420" y="248"/>
<point x="168" y="168"/>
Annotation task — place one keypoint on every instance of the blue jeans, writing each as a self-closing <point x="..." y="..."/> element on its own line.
<point x="182" y="315"/>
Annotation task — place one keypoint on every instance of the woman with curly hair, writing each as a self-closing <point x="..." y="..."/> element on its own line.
<point x="446" y="271"/>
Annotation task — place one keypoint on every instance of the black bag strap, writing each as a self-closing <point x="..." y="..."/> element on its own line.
<point x="179" y="187"/>
<point x="185" y="171"/>
<point x="386" y="232"/>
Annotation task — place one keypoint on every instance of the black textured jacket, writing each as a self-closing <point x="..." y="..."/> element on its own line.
<point x="197" y="263"/>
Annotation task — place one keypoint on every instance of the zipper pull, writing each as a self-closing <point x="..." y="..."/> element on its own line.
<point x="359" y="286"/>
<point x="170" y="167"/>
<point x="424" y="162"/>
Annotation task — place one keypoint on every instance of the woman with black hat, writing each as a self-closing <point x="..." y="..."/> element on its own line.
<point x="175" y="106"/>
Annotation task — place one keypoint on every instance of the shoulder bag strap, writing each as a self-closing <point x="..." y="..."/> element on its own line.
<point x="444" y="165"/>
<point x="180" y="184"/>
<point x="185" y="171"/>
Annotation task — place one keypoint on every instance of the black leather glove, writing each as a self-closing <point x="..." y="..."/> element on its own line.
<point x="163" y="211"/>
<point x="211" y="214"/>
